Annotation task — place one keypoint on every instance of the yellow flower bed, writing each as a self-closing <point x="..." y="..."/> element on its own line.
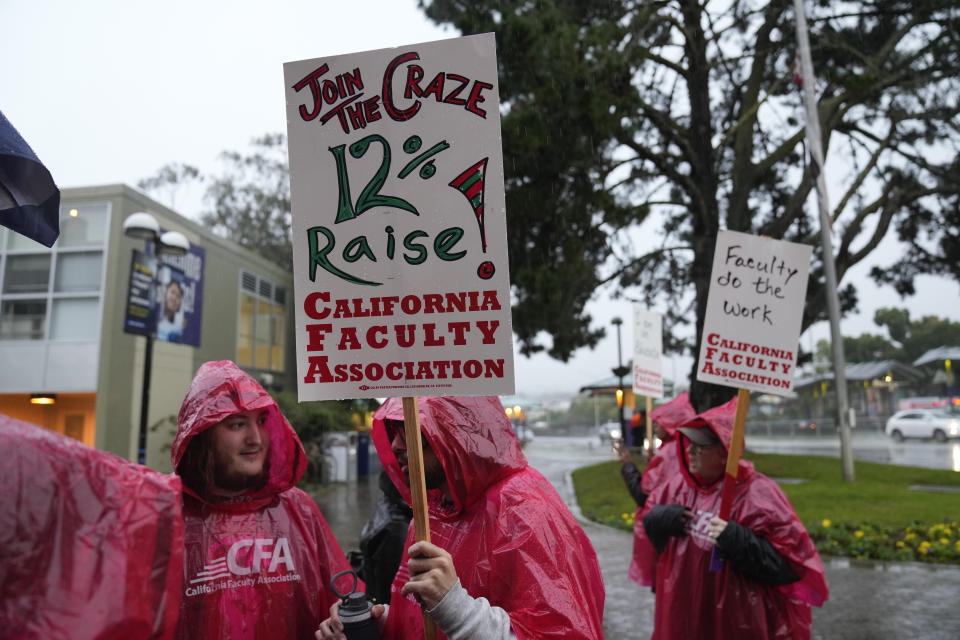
<point x="915" y="542"/>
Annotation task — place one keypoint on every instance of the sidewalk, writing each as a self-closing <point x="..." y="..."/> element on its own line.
<point x="347" y="506"/>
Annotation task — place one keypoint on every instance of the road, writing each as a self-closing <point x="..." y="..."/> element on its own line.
<point x="869" y="446"/>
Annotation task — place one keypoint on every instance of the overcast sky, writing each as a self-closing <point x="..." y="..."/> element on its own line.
<point x="109" y="91"/>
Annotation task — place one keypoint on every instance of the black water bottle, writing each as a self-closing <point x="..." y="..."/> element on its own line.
<point x="355" y="611"/>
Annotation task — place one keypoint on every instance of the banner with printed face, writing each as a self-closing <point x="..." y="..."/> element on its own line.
<point x="180" y="297"/>
<point x="399" y="223"/>
<point x="647" y="353"/>
<point x="754" y="310"/>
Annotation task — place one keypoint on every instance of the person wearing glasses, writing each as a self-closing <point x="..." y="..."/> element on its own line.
<point x="771" y="572"/>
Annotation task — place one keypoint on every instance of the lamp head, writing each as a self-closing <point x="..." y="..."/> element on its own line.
<point x="43" y="398"/>
<point x="141" y="225"/>
<point x="174" y="243"/>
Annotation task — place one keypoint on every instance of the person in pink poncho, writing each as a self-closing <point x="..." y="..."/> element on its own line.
<point x="506" y="558"/>
<point x="771" y="574"/>
<point x="259" y="555"/>
<point x="662" y="466"/>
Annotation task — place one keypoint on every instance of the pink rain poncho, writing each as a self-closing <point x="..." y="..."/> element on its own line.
<point x="662" y="467"/>
<point x="259" y="566"/>
<point x="92" y="545"/>
<point x="693" y="602"/>
<point x="512" y="539"/>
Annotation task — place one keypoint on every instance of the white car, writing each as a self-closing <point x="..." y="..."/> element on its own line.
<point x="609" y="432"/>
<point x="923" y="423"/>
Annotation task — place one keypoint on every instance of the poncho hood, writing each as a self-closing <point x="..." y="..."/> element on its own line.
<point x="472" y="438"/>
<point x="720" y="421"/>
<point x="671" y="415"/>
<point x="222" y="389"/>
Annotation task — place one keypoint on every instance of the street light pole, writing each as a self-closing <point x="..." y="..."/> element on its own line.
<point x="621" y="371"/>
<point x="144" y="226"/>
<point x="145" y="399"/>
<point x="829" y="268"/>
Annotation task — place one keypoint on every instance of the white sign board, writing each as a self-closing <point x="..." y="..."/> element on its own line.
<point x="754" y="310"/>
<point x="399" y="224"/>
<point x="647" y="353"/>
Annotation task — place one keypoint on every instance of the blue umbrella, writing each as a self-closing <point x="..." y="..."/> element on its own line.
<point x="29" y="199"/>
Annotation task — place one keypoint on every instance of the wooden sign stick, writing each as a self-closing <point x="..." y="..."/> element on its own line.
<point x="418" y="489"/>
<point x="650" y="446"/>
<point x="733" y="463"/>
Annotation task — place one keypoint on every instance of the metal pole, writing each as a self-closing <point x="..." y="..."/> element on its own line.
<point x="626" y="435"/>
<point x="620" y="371"/>
<point x="829" y="269"/>
<point x="145" y="400"/>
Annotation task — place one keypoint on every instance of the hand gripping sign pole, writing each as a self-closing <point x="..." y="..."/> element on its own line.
<point x="733" y="463"/>
<point x="418" y="489"/>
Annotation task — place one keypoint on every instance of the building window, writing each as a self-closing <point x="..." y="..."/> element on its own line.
<point x="27" y="273"/>
<point x="73" y="266"/>
<point x="83" y="225"/>
<point x="245" y="331"/>
<point x="22" y="319"/>
<point x="260" y="327"/>
<point x="78" y="271"/>
<point x="74" y="319"/>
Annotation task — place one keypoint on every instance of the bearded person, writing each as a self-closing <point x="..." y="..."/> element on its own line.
<point x="507" y="560"/>
<point x="259" y="555"/>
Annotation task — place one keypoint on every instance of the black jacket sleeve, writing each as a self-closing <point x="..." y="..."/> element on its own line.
<point x="753" y="556"/>
<point x="664" y="521"/>
<point x="632" y="478"/>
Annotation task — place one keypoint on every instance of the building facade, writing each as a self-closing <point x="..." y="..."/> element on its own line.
<point x="62" y="313"/>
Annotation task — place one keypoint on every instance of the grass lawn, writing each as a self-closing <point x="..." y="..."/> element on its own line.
<point x="876" y="516"/>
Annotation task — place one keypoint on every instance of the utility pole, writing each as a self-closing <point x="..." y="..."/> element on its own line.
<point x="815" y="140"/>
<point x="621" y="371"/>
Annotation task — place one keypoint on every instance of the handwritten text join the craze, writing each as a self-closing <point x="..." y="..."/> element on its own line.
<point x="343" y="95"/>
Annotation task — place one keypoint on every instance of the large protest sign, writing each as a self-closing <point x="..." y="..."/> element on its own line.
<point x="751" y="330"/>
<point x="647" y="353"/>
<point x="754" y="310"/>
<point x="399" y="230"/>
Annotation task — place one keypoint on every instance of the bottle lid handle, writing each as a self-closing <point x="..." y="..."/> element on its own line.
<point x="333" y="584"/>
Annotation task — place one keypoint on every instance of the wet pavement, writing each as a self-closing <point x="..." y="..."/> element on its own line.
<point x="868" y="446"/>
<point x="868" y="600"/>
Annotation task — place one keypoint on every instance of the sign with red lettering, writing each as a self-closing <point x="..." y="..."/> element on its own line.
<point x="399" y="222"/>
<point x="754" y="310"/>
<point x="647" y="353"/>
